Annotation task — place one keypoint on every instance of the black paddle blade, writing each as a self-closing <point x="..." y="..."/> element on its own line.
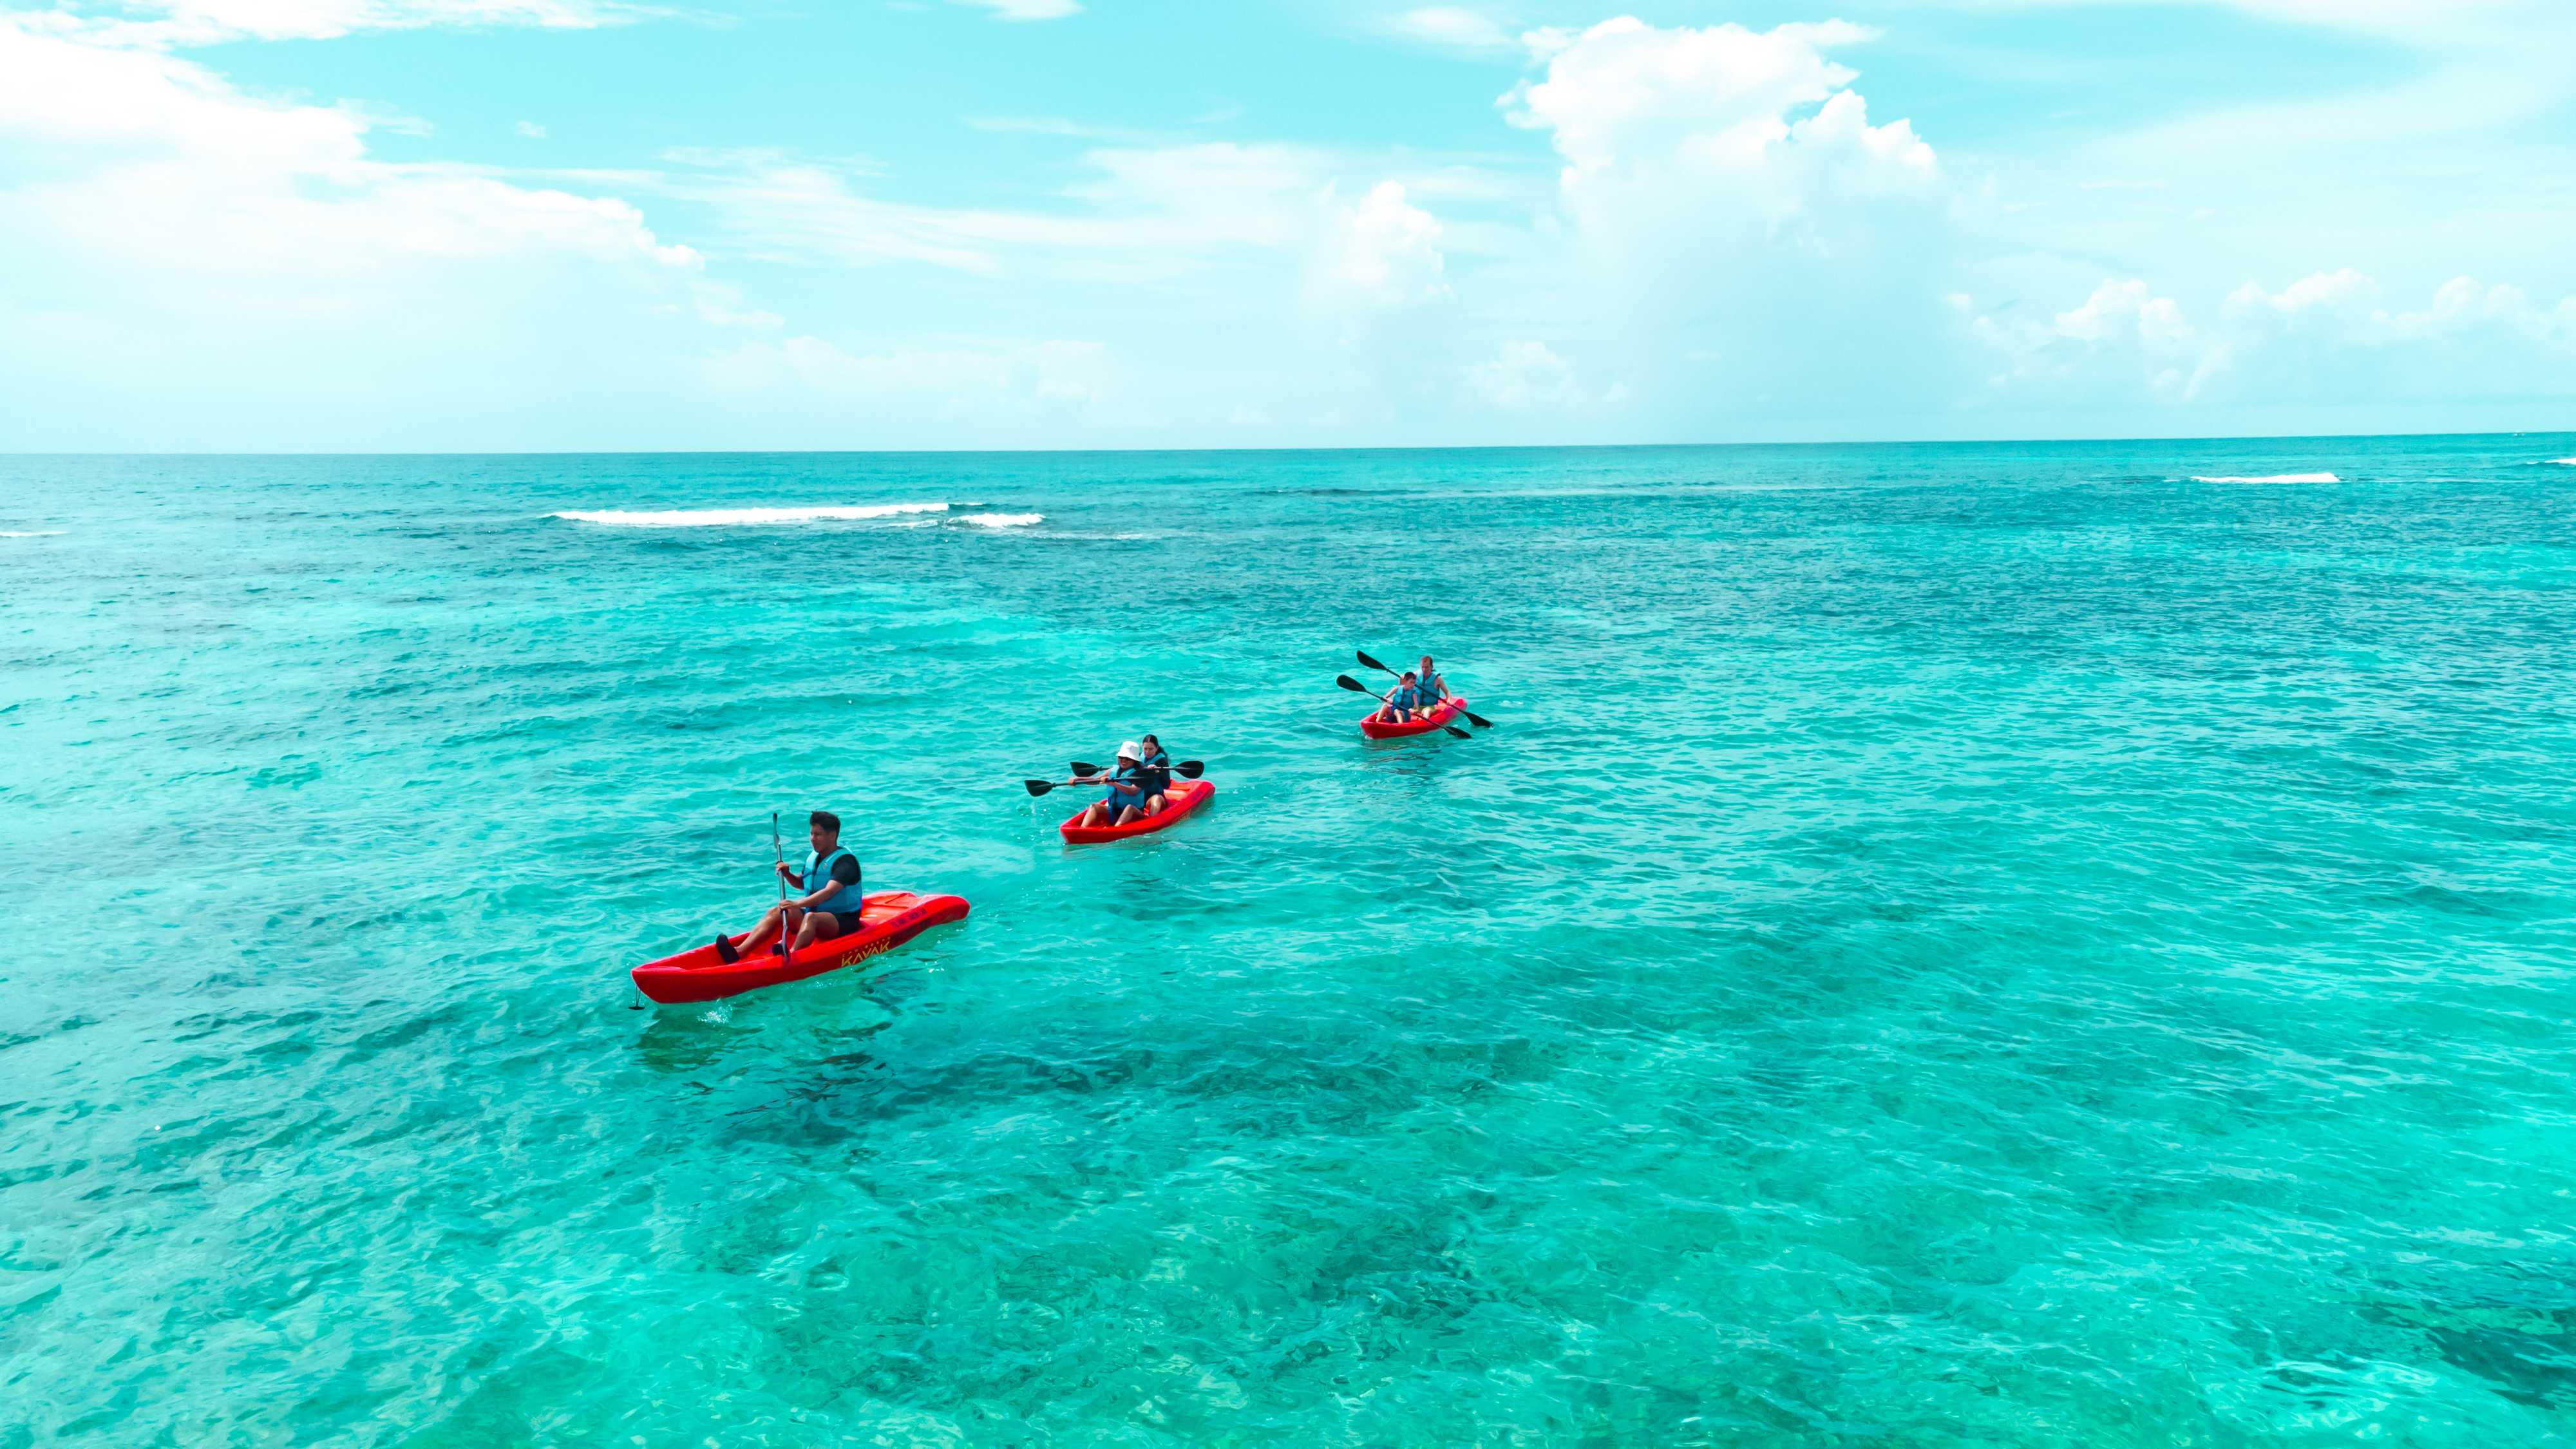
<point x="1346" y="682"/>
<point x="1039" y="787"/>
<point x="1190" y="769"/>
<point x="1373" y="664"/>
<point x="1478" y="720"/>
<point x="1462" y="734"/>
<point x="1082" y="768"/>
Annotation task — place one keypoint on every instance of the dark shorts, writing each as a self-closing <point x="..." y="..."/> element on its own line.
<point x="843" y="922"/>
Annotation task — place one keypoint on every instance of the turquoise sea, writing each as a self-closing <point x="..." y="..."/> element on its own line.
<point x="1944" y="945"/>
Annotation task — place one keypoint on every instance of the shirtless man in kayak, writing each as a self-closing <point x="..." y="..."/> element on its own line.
<point x="830" y="904"/>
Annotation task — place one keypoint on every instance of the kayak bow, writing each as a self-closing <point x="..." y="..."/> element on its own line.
<point x="1180" y="800"/>
<point x="1420" y="724"/>
<point x="886" y="920"/>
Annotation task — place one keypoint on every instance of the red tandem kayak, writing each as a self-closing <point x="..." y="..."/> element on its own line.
<point x="887" y="920"/>
<point x="1184" y="797"/>
<point x="1419" y="725"/>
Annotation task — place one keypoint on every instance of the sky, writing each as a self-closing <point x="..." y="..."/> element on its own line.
<point x="499" y="225"/>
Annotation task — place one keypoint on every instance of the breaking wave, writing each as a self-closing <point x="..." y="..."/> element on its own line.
<point x="2274" y="478"/>
<point x="744" y="517"/>
<point x="33" y="533"/>
<point x="1003" y="520"/>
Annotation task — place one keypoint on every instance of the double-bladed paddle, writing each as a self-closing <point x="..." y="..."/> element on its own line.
<point x="1473" y="718"/>
<point x="1346" y="682"/>
<point x="1186" y="769"/>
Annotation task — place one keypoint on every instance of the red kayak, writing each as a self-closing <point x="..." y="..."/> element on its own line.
<point x="1420" y="724"/>
<point x="887" y="920"/>
<point x="1184" y="797"/>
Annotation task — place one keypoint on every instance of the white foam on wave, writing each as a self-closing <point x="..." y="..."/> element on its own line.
<point x="745" y="517"/>
<point x="2564" y="462"/>
<point x="36" y="533"/>
<point x="2275" y="478"/>
<point x="1004" y="520"/>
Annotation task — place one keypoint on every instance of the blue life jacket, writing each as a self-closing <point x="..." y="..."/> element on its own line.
<point x="844" y="902"/>
<point x="1406" y="696"/>
<point x="1124" y="788"/>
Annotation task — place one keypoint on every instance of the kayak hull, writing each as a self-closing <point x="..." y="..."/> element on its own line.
<point x="1449" y="709"/>
<point x="886" y="920"/>
<point x="1185" y="797"/>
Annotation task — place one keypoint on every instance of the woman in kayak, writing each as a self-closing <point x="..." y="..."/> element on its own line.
<point x="830" y="905"/>
<point x="1401" y="702"/>
<point x="1125" y="802"/>
<point x="1154" y="774"/>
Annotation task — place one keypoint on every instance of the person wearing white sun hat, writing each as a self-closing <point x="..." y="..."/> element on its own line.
<point x="1125" y="803"/>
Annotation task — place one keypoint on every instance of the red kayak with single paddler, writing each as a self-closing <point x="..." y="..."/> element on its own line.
<point x="887" y="919"/>
<point x="1421" y="724"/>
<point x="1184" y="797"/>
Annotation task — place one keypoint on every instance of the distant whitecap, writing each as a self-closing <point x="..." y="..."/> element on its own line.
<point x="744" y="517"/>
<point x="35" y="533"/>
<point x="1003" y="520"/>
<point x="2274" y="478"/>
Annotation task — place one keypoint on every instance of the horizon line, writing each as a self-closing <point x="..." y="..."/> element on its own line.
<point x="1252" y="448"/>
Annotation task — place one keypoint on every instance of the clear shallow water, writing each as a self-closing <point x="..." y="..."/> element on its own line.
<point x="1947" y="945"/>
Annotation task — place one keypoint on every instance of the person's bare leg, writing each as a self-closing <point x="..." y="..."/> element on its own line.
<point x="761" y="933"/>
<point x="793" y="918"/>
<point x="819" y="926"/>
<point x="1095" y="817"/>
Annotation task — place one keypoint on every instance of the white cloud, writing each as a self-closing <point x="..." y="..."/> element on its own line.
<point x="1625" y="97"/>
<point x="781" y="206"/>
<point x="1728" y="195"/>
<point x="1450" y="27"/>
<point x="158" y="160"/>
<point x="2324" y="340"/>
<point x="208" y="22"/>
<point x="2116" y="307"/>
<point x="1025" y="9"/>
<point x="1151" y="207"/>
<point x="1050" y="126"/>
<point x="531" y="130"/>
<point x="1524" y="377"/>
<point x="956" y="378"/>
<point x="1385" y="250"/>
<point x="2433" y="22"/>
<point x="234" y="264"/>
<point x="1135" y="212"/>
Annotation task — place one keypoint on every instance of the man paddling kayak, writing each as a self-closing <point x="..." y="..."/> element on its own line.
<point x="1429" y="685"/>
<point x="830" y="905"/>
